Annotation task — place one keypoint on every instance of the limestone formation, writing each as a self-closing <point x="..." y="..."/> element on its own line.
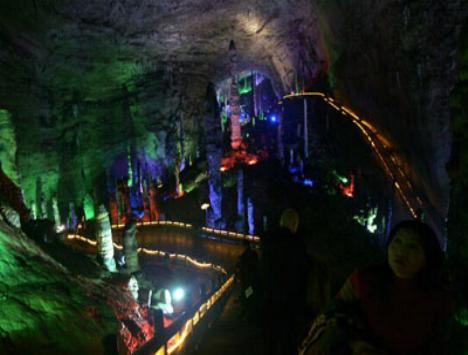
<point x="130" y="247"/>
<point x="105" y="247"/>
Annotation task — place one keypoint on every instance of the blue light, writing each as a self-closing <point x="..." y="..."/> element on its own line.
<point x="273" y="118"/>
<point x="308" y="182"/>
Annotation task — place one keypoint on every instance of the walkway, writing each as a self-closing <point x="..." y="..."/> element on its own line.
<point x="230" y="334"/>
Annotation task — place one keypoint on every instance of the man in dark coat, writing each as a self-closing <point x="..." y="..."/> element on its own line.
<point x="284" y="271"/>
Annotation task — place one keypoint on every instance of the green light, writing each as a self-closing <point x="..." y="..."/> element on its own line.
<point x="462" y="317"/>
<point x="224" y="119"/>
<point x="88" y="207"/>
<point x="8" y="146"/>
<point x="340" y="178"/>
<point x="371" y="226"/>
<point x="245" y="85"/>
<point x="130" y="172"/>
<point x="367" y="219"/>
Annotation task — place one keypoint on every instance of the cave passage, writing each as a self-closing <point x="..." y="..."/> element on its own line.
<point x="170" y="170"/>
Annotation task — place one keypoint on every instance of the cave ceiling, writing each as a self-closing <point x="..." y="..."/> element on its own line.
<point x="99" y="46"/>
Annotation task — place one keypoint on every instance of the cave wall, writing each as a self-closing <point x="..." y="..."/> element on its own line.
<point x="394" y="63"/>
<point x="458" y="170"/>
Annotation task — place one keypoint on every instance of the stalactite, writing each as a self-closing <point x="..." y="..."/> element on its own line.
<point x="105" y="247"/>
<point x="234" y="97"/>
<point x="130" y="247"/>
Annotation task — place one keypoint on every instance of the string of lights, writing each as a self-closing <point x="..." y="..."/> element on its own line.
<point x="219" y="232"/>
<point x="379" y="145"/>
<point x="179" y="337"/>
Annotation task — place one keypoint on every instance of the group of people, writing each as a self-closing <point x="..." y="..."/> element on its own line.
<point x="401" y="306"/>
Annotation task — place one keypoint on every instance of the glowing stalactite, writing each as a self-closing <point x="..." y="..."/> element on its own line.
<point x="130" y="247"/>
<point x="234" y="98"/>
<point x="105" y="246"/>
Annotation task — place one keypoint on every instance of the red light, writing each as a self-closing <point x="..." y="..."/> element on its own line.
<point x="348" y="190"/>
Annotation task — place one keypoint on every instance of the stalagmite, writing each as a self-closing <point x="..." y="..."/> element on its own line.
<point x="130" y="247"/>
<point x="250" y="215"/>
<point x="105" y="247"/>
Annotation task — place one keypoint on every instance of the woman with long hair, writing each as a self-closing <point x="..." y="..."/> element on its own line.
<point x="398" y="307"/>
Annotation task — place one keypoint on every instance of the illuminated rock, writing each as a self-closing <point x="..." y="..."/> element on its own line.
<point x="130" y="247"/>
<point x="236" y="137"/>
<point x="105" y="248"/>
<point x="213" y="157"/>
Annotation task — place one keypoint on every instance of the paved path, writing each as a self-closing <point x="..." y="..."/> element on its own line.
<point x="230" y="334"/>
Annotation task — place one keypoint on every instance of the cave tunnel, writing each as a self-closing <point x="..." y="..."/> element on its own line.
<point x="150" y="149"/>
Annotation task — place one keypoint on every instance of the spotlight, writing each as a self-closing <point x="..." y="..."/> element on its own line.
<point x="178" y="294"/>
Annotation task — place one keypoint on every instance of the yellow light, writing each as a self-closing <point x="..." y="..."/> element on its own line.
<point x="195" y="318"/>
<point x="349" y="112"/>
<point x="313" y="93"/>
<point x="333" y="105"/>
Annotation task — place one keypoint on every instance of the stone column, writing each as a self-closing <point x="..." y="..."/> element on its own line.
<point x="213" y="157"/>
<point x="250" y="215"/>
<point x="234" y="98"/>
<point x="240" y="223"/>
<point x="105" y="247"/>
<point x="130" y="247"/>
